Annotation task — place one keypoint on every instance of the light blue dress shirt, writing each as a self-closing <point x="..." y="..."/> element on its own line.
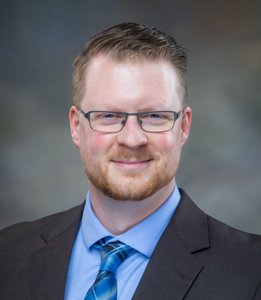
<point x="85" y="259"/>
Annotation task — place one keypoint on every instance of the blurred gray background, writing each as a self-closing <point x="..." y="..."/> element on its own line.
<point x="41" y="171"/>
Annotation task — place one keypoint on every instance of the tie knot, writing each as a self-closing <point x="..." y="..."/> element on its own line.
<point x="112" y="254"/>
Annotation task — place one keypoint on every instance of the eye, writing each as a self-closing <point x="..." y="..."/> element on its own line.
<point x="153" y="116"/>
<point x="109" y="116"/>
<point x="156" y="118"/>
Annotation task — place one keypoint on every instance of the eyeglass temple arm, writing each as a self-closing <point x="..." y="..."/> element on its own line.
<point x="177" y="115"/>
<point x="86" y="115"/>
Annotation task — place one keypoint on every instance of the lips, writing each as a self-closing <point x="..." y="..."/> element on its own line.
<point x="131" y="164"/>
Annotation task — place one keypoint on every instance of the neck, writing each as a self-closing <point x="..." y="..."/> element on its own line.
<point x="120" y="216"/>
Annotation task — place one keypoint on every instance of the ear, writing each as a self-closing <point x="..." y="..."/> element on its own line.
<point x="185" y="124"/>
<point x="74" y="124"/>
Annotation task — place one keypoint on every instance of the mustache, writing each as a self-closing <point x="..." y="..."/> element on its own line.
<point x="140" y="154"/>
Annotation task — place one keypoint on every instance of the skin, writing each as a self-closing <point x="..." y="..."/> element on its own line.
<point x="132" y="162"/>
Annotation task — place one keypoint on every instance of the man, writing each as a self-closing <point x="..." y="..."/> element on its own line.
<point x="137" y="236"/>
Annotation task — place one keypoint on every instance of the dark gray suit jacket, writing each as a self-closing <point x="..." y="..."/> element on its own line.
<point x="197" y="257"/>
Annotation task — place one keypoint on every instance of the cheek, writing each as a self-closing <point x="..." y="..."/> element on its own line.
<point x="101" y="144"/>
<point x="165" y="143"/>
<point x="98" y="142"/>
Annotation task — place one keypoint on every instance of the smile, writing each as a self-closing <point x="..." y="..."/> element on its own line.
<point x="132" y="164"/>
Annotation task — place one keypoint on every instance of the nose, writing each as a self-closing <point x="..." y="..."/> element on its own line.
<point x="132" y="136"/>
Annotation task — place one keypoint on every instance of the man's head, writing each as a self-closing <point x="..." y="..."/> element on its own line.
<point x="130" y="40"/>
<point x="131" y="164"/>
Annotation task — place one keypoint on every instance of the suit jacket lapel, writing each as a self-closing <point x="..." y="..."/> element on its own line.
<point x="48" y="266"/>
<point x="173" y="268"/>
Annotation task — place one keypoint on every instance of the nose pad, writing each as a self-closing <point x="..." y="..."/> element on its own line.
<point x="132" y="136"/>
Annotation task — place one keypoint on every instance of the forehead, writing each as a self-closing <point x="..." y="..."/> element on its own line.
<point x="134" y="83"/>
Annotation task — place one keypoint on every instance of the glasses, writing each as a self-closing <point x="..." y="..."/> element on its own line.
<point x="113" y="122"/>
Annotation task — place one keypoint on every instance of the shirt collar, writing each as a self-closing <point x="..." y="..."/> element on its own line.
<point x="143" y="237"/>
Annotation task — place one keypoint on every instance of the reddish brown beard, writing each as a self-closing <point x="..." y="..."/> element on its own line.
<point x="98" y="175"/>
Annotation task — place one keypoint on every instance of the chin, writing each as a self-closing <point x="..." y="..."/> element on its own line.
<point x="133" y="187"/>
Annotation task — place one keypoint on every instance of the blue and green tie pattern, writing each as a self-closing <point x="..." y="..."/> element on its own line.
<point x="105" y="285"/>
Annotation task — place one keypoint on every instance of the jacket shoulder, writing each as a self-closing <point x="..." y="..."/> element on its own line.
<point x="31" y="235"/>
<point x="195" y="228"/>
<point x="238" y="240"/>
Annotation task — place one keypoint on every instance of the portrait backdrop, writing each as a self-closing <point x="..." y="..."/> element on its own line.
<point x="41" y="170"/>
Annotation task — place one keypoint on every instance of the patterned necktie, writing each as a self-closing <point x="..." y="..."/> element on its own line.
<point x="105" y="285"/>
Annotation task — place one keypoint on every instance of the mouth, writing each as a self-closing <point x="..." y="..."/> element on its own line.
<point x="131" y="164"/>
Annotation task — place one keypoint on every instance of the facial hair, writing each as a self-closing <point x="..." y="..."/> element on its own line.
<point x="130" y="185"/>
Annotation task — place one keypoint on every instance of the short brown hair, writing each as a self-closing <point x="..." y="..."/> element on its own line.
<point x="128" y="40"/>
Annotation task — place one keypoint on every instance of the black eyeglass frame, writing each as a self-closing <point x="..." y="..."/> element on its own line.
<point x="87" y="116"/>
